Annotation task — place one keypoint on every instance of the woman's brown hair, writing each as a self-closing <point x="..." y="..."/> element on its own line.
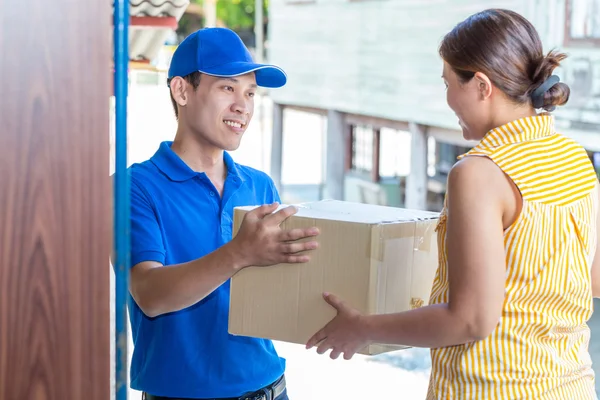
<point x="506" y="47"/>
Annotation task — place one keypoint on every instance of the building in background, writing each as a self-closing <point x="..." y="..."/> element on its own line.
<point x="371" y="69"/>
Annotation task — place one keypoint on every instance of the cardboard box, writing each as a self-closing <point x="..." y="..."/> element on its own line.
<point x="378" y="259"/>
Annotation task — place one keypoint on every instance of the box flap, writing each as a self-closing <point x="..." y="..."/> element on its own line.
<point x="357" y="212"/>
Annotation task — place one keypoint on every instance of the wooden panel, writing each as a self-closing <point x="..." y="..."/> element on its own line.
<point x="55" y="200"/>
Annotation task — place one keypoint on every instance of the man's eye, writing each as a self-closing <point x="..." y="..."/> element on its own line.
<point x="251" y="94"/>
<point x="228" y="88"/>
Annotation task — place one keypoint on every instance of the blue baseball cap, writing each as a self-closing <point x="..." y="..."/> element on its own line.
<point x="220" y="52"/>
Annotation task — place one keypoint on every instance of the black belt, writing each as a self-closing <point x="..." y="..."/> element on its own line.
<point x="270" y="392"/>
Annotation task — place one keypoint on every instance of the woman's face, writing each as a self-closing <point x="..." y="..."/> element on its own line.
<point x="469" y="102"/>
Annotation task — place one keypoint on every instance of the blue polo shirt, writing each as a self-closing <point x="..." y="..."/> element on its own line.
<point x="177" y="216"/>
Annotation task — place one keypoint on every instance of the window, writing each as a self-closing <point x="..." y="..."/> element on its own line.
<point x="362" y="149"/>
<point x="447" y="155"/>
<point x="395" y="153"/>
<point x="582" y="25"/>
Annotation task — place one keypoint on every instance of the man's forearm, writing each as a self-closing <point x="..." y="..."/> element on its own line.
<point x="432" y="327"/>
<point x="172" y="288"/>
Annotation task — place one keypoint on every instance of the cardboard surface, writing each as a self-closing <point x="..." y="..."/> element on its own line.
<point x="378" y="259"/>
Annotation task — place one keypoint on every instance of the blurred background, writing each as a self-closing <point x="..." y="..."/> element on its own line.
<point x="362" y="118"/>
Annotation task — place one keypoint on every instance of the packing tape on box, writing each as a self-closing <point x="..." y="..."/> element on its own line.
<point x="424" y="234"/>
<point x="413" y="243"/>
<point x="422" y="231"/>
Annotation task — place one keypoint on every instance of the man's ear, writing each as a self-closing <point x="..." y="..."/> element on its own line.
<point x="484" y="85"/>
<point x="179" y="92"/>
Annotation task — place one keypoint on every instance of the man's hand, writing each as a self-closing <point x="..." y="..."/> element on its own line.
<point x="346" y="333"/>
<point x="261" y="241"/>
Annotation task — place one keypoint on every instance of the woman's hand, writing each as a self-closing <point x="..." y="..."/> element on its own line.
<point x="346" y="333"/>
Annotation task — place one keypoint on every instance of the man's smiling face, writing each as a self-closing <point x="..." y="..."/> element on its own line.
<point x="220" y="109"/>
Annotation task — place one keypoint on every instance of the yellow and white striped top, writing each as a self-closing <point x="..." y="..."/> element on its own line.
<point x="539" y="349"/>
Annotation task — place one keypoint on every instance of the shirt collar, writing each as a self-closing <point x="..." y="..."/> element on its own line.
<point x="520" y="130"/>
<point x="177" y="170"/>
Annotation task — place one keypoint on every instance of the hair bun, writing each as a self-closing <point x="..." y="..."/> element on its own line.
<point x="558" y="93"/>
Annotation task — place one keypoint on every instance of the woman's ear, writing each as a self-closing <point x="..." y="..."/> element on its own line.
<point x="484" y="85"/>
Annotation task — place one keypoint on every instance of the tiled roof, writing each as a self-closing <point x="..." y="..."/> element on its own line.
<point x="158" y="8"/>
<point x="151" y="23"/>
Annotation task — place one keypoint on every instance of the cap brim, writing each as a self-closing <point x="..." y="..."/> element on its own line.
<point x="267" y="75"/>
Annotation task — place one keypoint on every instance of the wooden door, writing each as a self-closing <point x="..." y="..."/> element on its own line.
<point x="55" y="199"/>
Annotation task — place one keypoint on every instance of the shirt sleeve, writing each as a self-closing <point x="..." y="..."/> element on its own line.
<point x="274" y="192"/>
<point x="146" y="235"/>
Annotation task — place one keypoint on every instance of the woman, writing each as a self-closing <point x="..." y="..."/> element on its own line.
<point x="517" y="235"/>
